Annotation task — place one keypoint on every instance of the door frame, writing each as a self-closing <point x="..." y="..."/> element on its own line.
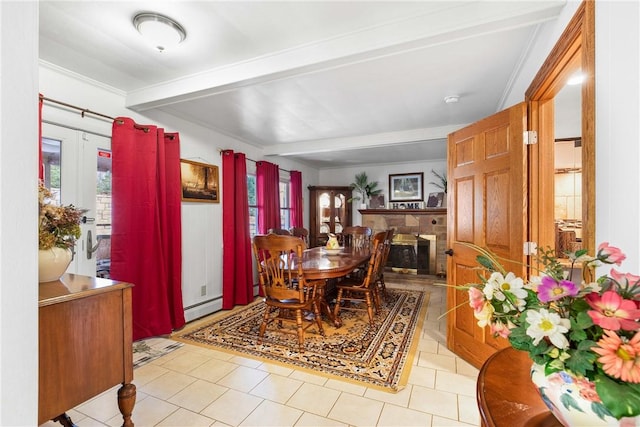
<point x="574" y="49"/>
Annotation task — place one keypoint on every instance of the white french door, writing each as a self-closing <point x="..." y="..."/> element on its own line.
<point x="78" y="168"/>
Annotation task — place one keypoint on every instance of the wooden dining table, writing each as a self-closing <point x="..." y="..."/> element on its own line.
<point x="318" y="265"/>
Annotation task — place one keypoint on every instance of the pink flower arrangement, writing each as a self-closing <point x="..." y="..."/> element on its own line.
<point x="588" y="328"/>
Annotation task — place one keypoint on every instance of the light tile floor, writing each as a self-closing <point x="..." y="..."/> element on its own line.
<point x="194" y="386"/>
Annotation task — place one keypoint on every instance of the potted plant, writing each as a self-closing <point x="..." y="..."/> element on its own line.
<point x="365" y="188"/>
<point x="59" y="228"/>
<point x="441" y="180"/>
<point x="582" y="333"/>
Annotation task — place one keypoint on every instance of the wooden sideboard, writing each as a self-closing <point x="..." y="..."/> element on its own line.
<point x="506" y="395"/>
<point x="85" y="345"/>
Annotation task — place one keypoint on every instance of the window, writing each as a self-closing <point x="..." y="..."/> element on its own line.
<point x="253" y="205"/>
<point x="285" y="208"/>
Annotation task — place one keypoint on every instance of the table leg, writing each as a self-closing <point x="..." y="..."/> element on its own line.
<point x="324" y="307"/>
<point x="126" y="401"/>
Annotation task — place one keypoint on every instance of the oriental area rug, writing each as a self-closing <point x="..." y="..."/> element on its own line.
<point x="378" y="356"/>
<point x="150" y="349"/>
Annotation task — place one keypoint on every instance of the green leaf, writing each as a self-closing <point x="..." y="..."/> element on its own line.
<point x="577" y="334"/>
<point x="582" y="358"/>
<point x="569" y="402"/>
<point x="485" y="262"/>
<point x="621" y="399"/>
<point x="600" y="410"/>
<point x="583" y="320"/>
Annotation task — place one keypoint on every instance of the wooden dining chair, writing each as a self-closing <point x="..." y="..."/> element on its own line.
<point x="382" y="288"/>
<point x="288" y="295"/>
<point x="353" y="293"/>
<point x="279" y="231"/>
<point x="356" y="236"/>
<point x="301" y="233"/>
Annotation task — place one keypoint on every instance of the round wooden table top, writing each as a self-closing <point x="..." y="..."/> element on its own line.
<point x="507" y="397"/>
<point x="318" y="265"/>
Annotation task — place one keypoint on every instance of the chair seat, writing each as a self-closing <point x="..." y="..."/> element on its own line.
<point x="354" y="284"/>
<point x="286" y="303"/>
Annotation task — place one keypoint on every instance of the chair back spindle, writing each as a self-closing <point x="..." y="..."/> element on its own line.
<point x="356" y="236"/>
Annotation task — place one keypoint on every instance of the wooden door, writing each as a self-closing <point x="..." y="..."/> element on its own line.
<point x="487" y="205"/>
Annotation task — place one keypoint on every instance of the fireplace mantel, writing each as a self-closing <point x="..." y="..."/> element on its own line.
<point x="431" y="211"/>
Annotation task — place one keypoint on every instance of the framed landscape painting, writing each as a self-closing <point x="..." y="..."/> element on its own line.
<point x="200" y="182"/>
<point x="406" y="187"/>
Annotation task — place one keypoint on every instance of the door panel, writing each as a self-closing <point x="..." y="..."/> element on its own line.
<point x="84" y="162"/>
<point x="487" y="176"/>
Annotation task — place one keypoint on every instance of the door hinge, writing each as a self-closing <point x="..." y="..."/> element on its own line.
<point x="530" y="137"/>
<point x="530" y="248"/>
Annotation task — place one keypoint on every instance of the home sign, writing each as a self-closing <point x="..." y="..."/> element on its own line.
<point x="406" y="205"/>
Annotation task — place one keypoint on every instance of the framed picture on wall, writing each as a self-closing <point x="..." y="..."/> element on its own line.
<point x="200" y="182"/>
<point x="406" y="187"/>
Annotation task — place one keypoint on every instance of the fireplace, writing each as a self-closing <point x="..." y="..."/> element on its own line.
<point x="413" y="254"/>
<point x="423" y="223"/>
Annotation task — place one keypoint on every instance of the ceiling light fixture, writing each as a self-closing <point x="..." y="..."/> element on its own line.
<point x="451" y="99"/>
<point x="161" y="31"/>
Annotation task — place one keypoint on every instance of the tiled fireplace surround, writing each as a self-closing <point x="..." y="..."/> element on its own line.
<point x="412" y="221"/>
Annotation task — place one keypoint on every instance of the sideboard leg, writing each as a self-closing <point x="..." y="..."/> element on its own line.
<point x="126" y="401"/>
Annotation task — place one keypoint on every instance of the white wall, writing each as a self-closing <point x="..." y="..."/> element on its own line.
<point x="618" y="128"/>
<point x="380" y="173"/>
<point x="201" y="222"/>
<point x="18" y="213"/>
<point x="544" y="40"/>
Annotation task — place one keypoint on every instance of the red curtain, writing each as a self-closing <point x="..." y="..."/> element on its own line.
<point x="40" y="164"/>
<point x="146" y="237"/>
<point x="268" y="193"/>
<point x="237" y="272"/>
<point x="295" y="199"/>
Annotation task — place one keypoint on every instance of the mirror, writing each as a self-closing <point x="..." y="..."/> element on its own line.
<point x="568" y="170"/>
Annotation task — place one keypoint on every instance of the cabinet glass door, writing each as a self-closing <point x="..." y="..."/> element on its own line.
<point x="339" y="212"/>
<point x="324" y="213"/>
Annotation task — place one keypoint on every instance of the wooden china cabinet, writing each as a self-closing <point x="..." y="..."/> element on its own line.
<point x="329" y="212"/>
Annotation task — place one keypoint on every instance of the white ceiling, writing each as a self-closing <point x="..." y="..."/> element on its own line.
<point x="330" y="83"/>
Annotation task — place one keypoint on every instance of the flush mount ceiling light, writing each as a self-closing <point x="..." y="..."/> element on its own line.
<point x="161" y="32"/>
<point x="451" y="99"/>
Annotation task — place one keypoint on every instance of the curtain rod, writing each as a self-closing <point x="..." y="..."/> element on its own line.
<point x="83" y="111"/>
<point x="256" y="161"/>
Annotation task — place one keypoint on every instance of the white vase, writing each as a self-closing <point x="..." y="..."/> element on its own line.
<point x="574" y="401"/>
<point x="52" y="263"/>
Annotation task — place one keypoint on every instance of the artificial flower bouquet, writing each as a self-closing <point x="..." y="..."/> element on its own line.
<point x="588" y="327"/>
